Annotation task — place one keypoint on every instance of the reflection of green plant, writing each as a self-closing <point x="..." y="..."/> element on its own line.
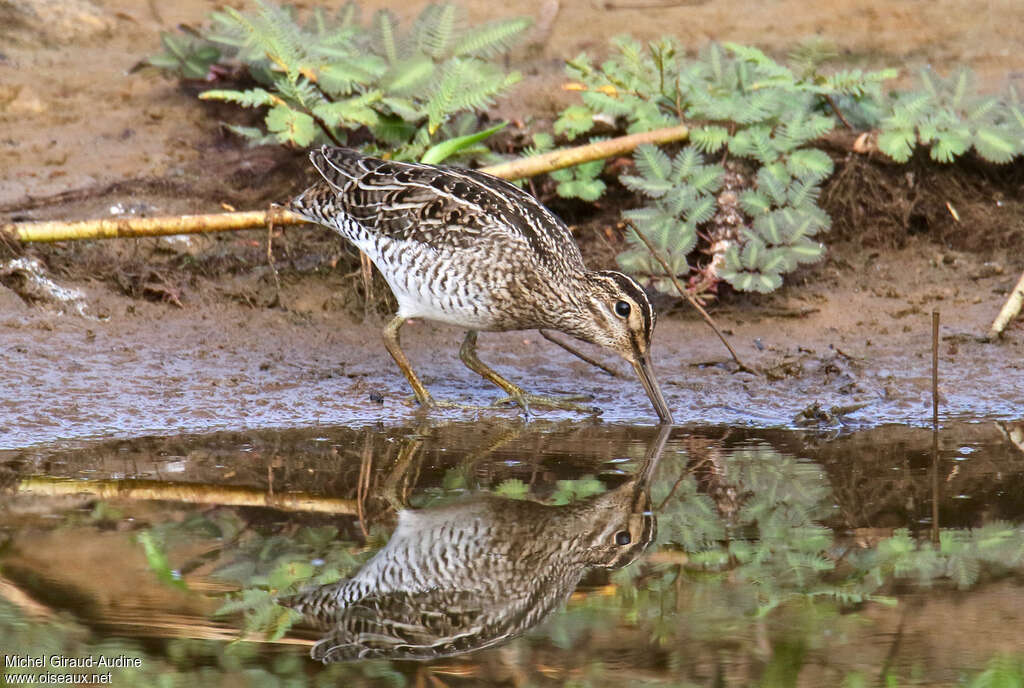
<point x="1003" y="671"/>
<point x="513" y="488"/>
<point x="277" y="565"/>
<point x="171" y="662"/>
<point x="960" y="556"/>
<point x="156" y="557"/>
<point x="569" y="491"/>
<point x="333" y="76"/>
<point x="769" y="535"/>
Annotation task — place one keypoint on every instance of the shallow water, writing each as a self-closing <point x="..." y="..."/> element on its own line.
<point x="780" y="558"/>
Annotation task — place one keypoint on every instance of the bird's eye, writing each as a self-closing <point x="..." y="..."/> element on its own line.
<point x="622" y="309"/>
<point x="623" y="537"/>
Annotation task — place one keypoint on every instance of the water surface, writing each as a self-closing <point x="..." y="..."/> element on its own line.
<point x="780" y="558"/>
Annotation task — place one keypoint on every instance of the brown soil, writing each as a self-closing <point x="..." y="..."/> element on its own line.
<point x="190" y="335"/>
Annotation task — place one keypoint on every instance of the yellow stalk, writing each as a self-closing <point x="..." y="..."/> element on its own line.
<point x="229" y="222"/>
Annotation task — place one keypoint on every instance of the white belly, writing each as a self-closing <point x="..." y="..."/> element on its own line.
<point x="431" y="288"/>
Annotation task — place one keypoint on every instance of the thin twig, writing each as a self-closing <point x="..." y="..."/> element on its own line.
<point x="366" y="274"/>
<point x="579" y="354"/>
<point x="270" y="259"/>
<point x="935" y="427"/>
<point x="326" y="129"/>
<point x="839" y="113"/>
<point x="688" y="297"/>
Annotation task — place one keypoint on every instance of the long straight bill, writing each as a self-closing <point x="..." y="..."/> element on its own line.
<point x="645" y="372"/>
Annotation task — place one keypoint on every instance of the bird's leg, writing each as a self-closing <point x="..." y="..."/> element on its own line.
<point x="515" y="393"/>
<point x="395" y="349"/>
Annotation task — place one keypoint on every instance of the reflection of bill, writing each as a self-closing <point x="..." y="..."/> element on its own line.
<point x="466" y="576"/>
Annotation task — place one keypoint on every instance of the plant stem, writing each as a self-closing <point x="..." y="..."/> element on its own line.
<point x="148" y="226"/>
<point x="688" y="297"/>
<point x="839" y="113"/>
<point x="326" y="129"/>
<point x="227" y="222"/>
<point x="567" y="157"/>
<point x="582" y="356"/>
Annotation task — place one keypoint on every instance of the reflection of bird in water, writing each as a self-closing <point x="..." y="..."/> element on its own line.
<point x="468" y="575"/>
<point x="465" y="248"/>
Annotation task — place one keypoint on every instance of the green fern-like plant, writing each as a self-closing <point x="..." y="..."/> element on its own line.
<point x="324" y="79"/>
<point x="951" y="118"/>
<point x="681" y="193"/>
<point x="742" y="102"/>
<point x="188" y="55"/>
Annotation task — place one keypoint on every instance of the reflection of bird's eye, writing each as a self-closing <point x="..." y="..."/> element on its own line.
<point x="622" y="538"/>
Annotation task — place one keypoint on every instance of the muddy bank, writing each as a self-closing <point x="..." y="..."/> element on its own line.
<point x="187" y="336"/>
<point x="130" y="366"/>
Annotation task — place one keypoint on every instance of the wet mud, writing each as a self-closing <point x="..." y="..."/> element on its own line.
<point x="849" y="343"/>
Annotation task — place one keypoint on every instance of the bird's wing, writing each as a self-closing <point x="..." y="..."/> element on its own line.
<point x="439" y="622"/>
<point x="442" y="207"/>
<point x="403" y="625"/>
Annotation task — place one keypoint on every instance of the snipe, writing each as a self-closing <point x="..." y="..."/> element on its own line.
<point x="462" y="247"/>
<point x="469" y="575"/>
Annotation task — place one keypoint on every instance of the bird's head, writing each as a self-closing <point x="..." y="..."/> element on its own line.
<point x="622" y="526"/>
<point x="617" y="315"/>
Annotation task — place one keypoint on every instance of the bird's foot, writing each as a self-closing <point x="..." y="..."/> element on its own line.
<point x="529" y="401"/>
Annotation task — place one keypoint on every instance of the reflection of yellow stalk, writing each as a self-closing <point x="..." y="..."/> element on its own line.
<point x="228" y="222"/>
<point x="191" y="493"/>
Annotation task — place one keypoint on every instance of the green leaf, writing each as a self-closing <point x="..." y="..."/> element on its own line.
<point x="755" y="202"/>
<point x="256" y="136"/>
<point x="435" y="28"/>
<point x="445" y="149"/>
<point x="406" y="76"/>
<point x="492" y="39"/>
<point x="158" y="562"/>
<point x="948" y="145"/>
<point x="753" y="253"/>
<point x="253" y="97"/>
<point x="703" y="210"/>
<point x="385" y="25"/>
<point x="341" y="76"/>
<point x="585" y="190"/>
<point x="291" y="126"/>
<point x="574" y="120"/>
<point x="809" y="164"/>
<point x="513" y="488"/>
<point x="709" y="138"/>
<point x="354" y="111"/>
<point x="997" y="145"/>
<point x="898" y="144"/>
<point x="652" y="162"/>
<point x="806" y="251"/>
